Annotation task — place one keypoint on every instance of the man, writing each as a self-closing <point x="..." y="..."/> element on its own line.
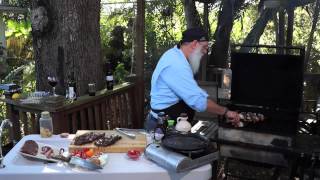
<point x="173" y="87"/>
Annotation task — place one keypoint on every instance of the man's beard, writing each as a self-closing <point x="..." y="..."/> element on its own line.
<point x="195" y="58"/>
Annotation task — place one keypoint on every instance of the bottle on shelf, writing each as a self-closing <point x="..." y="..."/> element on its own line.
<point x="45" y="123"/>
<point x="72" y="88"/>
<point x="109" y="77"/>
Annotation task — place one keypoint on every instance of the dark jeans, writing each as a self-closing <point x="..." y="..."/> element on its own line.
<point x="150" y="122"/>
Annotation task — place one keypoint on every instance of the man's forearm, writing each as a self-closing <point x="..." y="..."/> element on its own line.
<point x="214" y="108"/>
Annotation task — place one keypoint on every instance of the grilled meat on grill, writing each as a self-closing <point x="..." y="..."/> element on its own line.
<point x="251" y="117"/>
<point x="261" y="117"/>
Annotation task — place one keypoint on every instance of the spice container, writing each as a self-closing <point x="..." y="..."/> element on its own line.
<point x="46" y="127"/>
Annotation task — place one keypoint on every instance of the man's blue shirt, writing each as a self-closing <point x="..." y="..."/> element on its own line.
<point x="173" y="80"/>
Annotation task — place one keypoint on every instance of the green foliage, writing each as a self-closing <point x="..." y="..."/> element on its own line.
<point x="116" y="27"/>
<point x="18" y="58"/>
<point x="243" y="24"/>
<point x="164" y="21"/>
<point x="19" y="53"/>
<point x="18" y="29"/>
<point x="120" y="73"/>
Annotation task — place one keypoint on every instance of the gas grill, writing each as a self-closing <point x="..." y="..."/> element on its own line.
<point x="270" y="84"/>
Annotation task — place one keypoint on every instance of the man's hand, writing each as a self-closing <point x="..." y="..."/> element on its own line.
<point x="233" y="117"/>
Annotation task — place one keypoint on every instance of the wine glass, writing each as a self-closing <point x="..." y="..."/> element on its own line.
<point x="53" y="81"/>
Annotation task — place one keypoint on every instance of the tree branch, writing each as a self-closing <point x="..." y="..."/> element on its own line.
<point x="313" y="28"/>
<point x="257" y="30"/>
<point x="191" y="14"/>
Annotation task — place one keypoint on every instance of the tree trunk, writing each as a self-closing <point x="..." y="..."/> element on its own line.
<point x="66" y="38"/>
<point x="313" y="28"/>
<point x="219" y="54"/>
<point x="192" y="16"/>
<point x="206" y="23"/>
<point x="257" y="30"/>
<point x="202" y="74"/>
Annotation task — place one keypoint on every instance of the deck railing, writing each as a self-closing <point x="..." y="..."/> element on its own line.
<point x="106" y="110"/>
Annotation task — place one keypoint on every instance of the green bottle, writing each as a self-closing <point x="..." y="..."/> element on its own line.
<point x="170" y="126"/>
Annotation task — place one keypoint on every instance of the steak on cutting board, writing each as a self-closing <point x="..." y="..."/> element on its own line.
<point x="110" y="145"/>
<point x="107" y="140"/>
<point x="87" y="138"/>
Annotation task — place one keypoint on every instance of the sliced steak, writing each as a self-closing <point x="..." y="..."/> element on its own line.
<point x="108" y="140"/>
<point x="87" y="138"/>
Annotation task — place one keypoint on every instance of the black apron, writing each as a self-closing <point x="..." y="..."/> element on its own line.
<point x="175" y="110"/>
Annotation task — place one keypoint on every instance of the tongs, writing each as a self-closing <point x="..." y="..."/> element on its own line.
<point x="126" y="132"/>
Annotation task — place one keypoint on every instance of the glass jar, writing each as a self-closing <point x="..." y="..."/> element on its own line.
<point x="46" y="127"/>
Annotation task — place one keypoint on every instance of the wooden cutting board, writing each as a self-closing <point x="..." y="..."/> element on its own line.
<point x="122" y="146"/>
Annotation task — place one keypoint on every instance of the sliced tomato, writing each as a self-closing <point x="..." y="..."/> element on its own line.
<point x="89" y="153"/>
<point x="133" y="154"/>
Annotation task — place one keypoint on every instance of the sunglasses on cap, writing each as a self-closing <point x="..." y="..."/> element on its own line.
<point x="202" y="39"/>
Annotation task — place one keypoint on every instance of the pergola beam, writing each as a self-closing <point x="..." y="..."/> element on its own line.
<point x="12" y="9"/>
<point x="286" y="3"/>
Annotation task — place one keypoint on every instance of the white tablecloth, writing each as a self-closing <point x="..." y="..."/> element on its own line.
<point x="118" y="167"/>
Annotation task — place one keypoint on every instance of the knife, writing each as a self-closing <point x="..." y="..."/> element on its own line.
<point x="122" y="131"/>
<point x="76" y="161"/>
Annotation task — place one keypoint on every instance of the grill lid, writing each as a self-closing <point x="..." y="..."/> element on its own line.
<point x="270" y="80"/>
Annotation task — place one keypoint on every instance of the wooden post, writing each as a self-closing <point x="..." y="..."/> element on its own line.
<point x="139" y="57"/>
<point x="290" y="11"/>
<point x="13" y="115"/>
<point x="207" y="29"/>
<point x="281" y="29"/>
<point x="60" y="123"/>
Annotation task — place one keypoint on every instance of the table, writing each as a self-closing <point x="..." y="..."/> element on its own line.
<point x="118" y="167"/>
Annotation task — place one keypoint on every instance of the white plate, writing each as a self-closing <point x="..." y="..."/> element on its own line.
<point x="41" y="157"/>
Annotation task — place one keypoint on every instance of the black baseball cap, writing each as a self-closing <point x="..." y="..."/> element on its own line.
<point x="192" y="34"/>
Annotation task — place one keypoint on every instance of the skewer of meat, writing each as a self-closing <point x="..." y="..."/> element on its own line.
<point x="251" y="117"/>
